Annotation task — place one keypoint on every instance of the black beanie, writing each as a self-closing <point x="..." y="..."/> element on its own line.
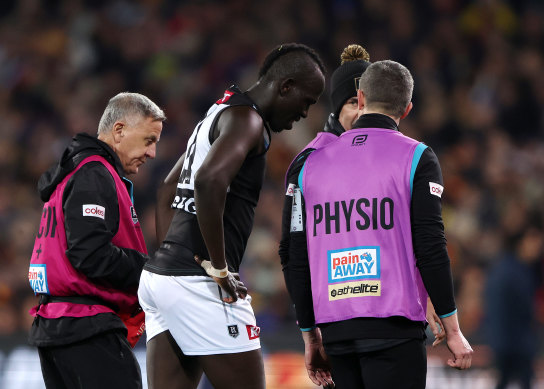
<point x="343" y="83"/>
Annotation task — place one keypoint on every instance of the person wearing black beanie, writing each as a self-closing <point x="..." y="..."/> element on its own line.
<point x="345" y="112"/>
<point x="343" y="92"/>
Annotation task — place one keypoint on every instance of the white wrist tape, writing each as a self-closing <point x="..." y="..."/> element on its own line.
<point x="212" y="271"/>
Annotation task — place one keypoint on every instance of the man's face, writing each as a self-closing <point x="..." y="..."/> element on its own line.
<point x="136" y="141"/>
<point x="349" y="113"/>
<point x="295" y="100"/>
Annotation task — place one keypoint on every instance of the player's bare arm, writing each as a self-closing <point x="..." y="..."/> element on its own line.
<point x="239" y="132"/>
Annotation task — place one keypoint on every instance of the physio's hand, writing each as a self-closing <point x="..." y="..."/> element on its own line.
<point x="435" y="323"/>
<point x="231" y="283"/>
<point x="316" y="361"/>
<point x="461" y="350"/>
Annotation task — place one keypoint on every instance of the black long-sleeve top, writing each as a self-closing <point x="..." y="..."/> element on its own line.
<point x="89" y="239"/>
<point x="429" y="244"/>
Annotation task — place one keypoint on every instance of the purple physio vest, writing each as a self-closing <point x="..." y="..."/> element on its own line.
<point x="52" y="273"/>
<point x="357" y="195"/>
<point x="321" y="139"/>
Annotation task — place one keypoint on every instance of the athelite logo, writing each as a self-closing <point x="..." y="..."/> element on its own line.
<point x="94" y="210"/>
<point x="253" y="332"/>
<point x="37" y="276"/>
<point x="359" y="140"/>
<point x="354" y="289"/>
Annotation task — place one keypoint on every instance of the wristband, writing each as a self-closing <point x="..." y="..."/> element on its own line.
<point x="212" y="271"/>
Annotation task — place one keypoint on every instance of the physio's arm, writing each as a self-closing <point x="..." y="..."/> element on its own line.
<point x="293" y="247"/>
<point x="457" y="344"/>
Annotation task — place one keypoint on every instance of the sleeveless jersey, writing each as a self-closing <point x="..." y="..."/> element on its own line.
<point x="51" y="272"/>
<point x="358" y="227"/>
<point x="184" y="240"/>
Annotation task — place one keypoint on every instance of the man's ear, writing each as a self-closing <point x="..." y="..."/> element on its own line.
<point x="407" y="111"/>
<point x="286" y="85"/>
<point x="118" y="131"/>
<point x="360" y="99"/>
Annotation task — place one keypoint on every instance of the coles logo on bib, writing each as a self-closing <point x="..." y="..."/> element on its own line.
<point x="94" y="210"/>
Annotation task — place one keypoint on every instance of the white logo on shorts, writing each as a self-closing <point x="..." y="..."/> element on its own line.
<point x="253" y="332"/>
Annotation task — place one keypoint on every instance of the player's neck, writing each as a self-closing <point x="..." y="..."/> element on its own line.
<point x="260" y="94"/>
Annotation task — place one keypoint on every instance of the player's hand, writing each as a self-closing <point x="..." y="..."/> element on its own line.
<point x="461" y="350"/>
<point x="316" y="361"/>
<point x="435" y="323"/>
<point x="231" y="284"/>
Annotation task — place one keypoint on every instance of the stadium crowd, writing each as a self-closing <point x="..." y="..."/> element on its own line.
<point x="478" y="102"/>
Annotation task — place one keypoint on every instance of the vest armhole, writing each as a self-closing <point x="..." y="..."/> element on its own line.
<point x="300" y="176"/>
<point x="420" y="148"/>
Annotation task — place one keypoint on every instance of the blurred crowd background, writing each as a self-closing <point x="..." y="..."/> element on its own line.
<point x="478" y="102"/>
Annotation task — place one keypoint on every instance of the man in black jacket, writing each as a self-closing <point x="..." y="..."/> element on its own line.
<point x="89" y="252"/>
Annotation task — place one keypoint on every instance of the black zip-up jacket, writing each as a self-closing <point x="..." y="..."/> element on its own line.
<point x="92" y="254"/>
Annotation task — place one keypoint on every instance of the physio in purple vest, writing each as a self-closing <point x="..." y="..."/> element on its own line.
<point x="89" y="252"/>
<point x="370" y="245"/>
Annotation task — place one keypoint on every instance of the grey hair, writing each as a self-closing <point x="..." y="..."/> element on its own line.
<point x="387" y="86"/>
<point x="127" y="106"/>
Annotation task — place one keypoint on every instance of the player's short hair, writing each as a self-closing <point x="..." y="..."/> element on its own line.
<point x="128" y="106"/>
<point x="290" y="60"/>
<point x="388" y="86"/>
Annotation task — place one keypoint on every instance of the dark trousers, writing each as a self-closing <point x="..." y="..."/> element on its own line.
<point x="514" y="367"/>
<point x="101" y="362"/>
<point x="403" y="366"/>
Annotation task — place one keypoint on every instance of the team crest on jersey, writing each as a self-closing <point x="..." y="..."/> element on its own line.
<point x="133" y="214"/>
<point x="225" y="97"/>
<point x="233" y="330"/>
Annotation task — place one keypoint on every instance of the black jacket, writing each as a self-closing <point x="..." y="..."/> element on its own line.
<point x="89" y="247"/>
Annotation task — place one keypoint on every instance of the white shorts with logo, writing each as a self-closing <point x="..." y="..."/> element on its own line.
<point x="190" y="307"/>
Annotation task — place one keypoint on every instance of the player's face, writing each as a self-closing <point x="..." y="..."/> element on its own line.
<point x="137" y="142"/>
<point x="349" y="113"/>
<point x="296" y="101"/>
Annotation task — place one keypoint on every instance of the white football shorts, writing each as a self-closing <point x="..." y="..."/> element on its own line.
<point x="190" y="307"/>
